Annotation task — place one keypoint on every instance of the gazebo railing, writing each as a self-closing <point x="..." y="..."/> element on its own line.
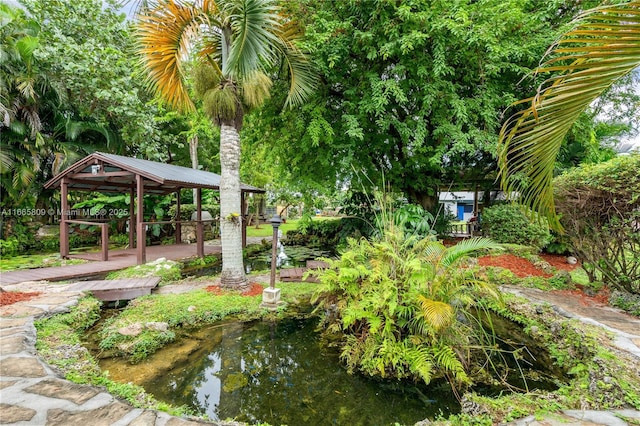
<point x="104" y="231"/>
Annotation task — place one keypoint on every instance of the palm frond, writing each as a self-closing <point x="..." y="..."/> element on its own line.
<point x="438" y="314"/>
<point x="300" y="69"/>
<point x="7" y="160"/>
<point x="166" y="34"/>
<point x="601" y="49"/>
<point x="465" y="247"/>
<point x="254" y="24"/>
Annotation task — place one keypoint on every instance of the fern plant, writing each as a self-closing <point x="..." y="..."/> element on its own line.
<point x="400" y="302"/>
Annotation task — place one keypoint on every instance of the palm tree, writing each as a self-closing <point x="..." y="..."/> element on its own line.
<point x="603" y="48"/>
<point x="237" y="42"/>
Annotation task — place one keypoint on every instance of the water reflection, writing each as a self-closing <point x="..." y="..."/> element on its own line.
<point x="281" y="374"/>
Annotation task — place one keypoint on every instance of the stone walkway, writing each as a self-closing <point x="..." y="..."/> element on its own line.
<point x="32" y="393"/>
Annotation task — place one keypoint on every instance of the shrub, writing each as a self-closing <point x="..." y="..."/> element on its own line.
<point x="402" y="305"/>
<point x="319" y="233"/>
<point x="599" y="208"/>
<point x="512" y="224"/>
<point x="9" y="247"/>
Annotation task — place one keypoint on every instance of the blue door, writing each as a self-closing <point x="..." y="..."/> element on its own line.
<point x="460" y="211"/>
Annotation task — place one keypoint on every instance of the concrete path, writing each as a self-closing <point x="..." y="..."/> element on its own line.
<point x="625" y="327"/>
<point x="32" y="393"/>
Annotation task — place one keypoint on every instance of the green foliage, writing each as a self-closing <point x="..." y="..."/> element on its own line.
<point x="599" y="207"/>
<point x="511" y="223"/>
<point x="625" y="301"/>
<point x="167" y="270"/>
<point x="456" y="66"/>
<point x="560" y="244"/>
<point x="398" y="301"/>
<point x="9" y="247"/>
<point x="411" y="218"/>
<point x="177" y="311"/>
<point x="186" y="210"/>
<point x="316" y="233"/>
<point x="82" y="316"/>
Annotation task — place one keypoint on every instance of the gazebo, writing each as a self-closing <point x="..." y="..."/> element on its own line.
<point x="109" y="173"/>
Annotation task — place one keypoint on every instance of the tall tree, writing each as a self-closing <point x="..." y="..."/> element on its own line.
<point x="237" y="43"/>
<point x="413" y="90"/>
<point x="602" y="49"/>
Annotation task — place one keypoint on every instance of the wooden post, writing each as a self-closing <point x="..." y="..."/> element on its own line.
<point x="140" y="231"/>
<point x="243" y="216"/>
<point x="199" y="227"/>
<point x="475" y="211"/>
<point x="64" y="226"/>
<point x="105" y="241"/>
<point x="178" y="224"/>
<point x="132" y="219"/>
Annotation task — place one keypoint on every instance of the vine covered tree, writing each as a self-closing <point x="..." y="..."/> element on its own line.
<point x="235" y="43"/>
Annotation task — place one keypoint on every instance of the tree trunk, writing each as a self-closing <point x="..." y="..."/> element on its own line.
<point x="233" y="275"/>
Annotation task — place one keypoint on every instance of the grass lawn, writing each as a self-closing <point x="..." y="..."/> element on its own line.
<point x="265" y="229"/>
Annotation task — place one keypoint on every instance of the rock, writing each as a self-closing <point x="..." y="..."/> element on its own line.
<point x="47" y="231"/>
<point x="191" y="308"/>
<point x="157" y="326"/>
<point x="571" y="260"/>
<point x="131" y="330"/>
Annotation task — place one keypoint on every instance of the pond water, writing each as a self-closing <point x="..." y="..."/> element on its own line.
<point x="280" y="373"/>
<point x="260" y="260"/>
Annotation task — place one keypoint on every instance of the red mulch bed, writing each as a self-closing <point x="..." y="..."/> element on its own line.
<point x="215" y="289"/>
<point x="254" y="290"/>
<point x="11" y="297"/>
<point x="520" y="267"/>
<point x="523" y="268"/>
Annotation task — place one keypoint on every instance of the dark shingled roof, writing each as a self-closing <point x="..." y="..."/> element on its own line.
<point x="159" y="178"/>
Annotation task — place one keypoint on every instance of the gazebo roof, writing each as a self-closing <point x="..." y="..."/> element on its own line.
<point x="117" y="173"/>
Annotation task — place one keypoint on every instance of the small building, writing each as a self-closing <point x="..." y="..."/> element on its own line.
<point x="463" y="204"/>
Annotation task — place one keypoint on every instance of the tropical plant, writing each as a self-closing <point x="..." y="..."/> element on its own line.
<point x="403" y="305"/>
<point x="237" y="42"/>
<point x="52" y="112"/>
<point x="589" y="59"/>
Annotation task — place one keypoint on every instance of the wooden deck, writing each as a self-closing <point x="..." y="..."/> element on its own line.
<point x="112" y="290"/>
<point x="95" y="268"/>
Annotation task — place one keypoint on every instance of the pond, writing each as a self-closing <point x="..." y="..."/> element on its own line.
<point x="258" y="258"/>
<point x="280" y="373"/>
<point x="285" y="373"/>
